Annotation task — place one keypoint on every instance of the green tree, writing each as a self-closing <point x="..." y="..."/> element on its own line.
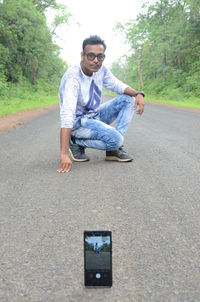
<point x="26" y="47"/>
<point x="165" y="43"/>
<point x="42" y="5"/>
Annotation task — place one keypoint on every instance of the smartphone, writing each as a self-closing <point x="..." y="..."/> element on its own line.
<point x="98" y="258"/>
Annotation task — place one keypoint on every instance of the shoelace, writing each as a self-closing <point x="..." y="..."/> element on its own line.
<point x="82" y="149"/>
<point x="77" y="149"/>
<point x="122" y="150"/>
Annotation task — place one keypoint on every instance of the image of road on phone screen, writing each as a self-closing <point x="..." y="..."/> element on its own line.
<point x="97" y="252"/>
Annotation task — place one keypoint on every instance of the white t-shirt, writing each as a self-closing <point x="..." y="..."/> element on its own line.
<point x="81" y="95"/>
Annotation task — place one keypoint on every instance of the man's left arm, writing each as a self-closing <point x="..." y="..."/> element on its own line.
<point x="112" y="83"/>
<point x="139" y="99"/>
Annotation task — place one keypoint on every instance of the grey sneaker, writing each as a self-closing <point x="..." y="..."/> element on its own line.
<point x="77" y="152"/>
<point x="118" y="155"/>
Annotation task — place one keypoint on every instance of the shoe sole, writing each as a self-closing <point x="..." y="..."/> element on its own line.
<point x="75" y="159"/>
<point x="115" y="158"/>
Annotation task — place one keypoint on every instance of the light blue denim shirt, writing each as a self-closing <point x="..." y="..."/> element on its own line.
<point x="81" y="95"/>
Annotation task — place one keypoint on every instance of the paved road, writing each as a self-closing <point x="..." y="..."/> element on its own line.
<point x="151" y="205"/>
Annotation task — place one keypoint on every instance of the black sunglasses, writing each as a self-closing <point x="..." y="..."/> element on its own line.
<point x="91" y="56"/>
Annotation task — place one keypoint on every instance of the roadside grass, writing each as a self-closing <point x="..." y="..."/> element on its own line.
<point x="17" y="97"/>
<point x="16" y="104"/>
<point x="38" y="100"/>
<point x="193" y="103"/>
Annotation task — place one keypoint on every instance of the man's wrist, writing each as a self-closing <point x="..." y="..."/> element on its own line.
<point x="141" y="93"/>
<point x="66" y="152"/>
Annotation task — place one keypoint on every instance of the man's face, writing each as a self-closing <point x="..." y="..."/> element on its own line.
<point x="92" y="58"/>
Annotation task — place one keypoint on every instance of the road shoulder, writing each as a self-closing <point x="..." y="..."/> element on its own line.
<point x="17" y="119"/>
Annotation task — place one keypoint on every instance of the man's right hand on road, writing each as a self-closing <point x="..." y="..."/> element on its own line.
<point x="65" y="163"/>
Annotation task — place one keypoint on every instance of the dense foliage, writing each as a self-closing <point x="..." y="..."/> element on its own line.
<point x="27" y="52"/>
<point x="165" y="49"/>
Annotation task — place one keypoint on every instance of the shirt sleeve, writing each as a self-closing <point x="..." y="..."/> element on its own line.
<point x="112" y="83"/>
<point x="68" y="101"/>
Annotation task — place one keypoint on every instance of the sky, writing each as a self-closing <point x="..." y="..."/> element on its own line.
<point x="98" y="239"/>
<point x="95" y="17"/>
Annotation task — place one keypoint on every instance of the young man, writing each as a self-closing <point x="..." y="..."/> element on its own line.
<point x="84" y="122"/>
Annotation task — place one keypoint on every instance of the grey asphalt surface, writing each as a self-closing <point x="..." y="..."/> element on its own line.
<point x="152" y="207"/>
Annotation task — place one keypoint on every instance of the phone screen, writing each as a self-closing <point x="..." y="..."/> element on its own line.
<point x="97" y="250"/>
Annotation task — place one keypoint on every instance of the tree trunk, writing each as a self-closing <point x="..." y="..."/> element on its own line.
<point x="140" y="80"/>
<point x="164" y="64"/>
<point x="125" y="73"/>
<point x="33" y="75"/>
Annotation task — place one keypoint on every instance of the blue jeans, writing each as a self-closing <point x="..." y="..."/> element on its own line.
<point x="95" y="132"/>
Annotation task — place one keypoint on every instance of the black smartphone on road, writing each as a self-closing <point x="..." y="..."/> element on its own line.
<point x="98" y="258"/>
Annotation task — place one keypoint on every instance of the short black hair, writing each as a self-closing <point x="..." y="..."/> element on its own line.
<point x="93" y="40"/>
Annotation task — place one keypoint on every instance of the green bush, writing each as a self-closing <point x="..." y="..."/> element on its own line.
<point x="3" y="86"/>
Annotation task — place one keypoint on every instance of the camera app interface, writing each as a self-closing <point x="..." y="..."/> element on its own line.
<point x="97" y="252"/>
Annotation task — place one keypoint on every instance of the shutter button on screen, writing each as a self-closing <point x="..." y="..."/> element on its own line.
<point x="98" y="276"/>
